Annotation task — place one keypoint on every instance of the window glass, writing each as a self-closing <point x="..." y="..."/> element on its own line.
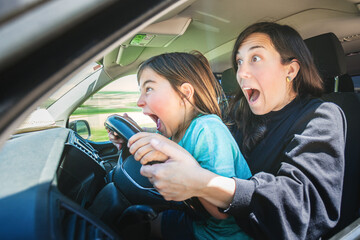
<point x="356" y="81"/>
<point x="118" y="97"/>
<point x="9" y="9"/>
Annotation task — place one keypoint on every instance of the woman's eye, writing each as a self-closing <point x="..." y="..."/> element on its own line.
<point x="255" y="59"/>
<point x="240" y="62"/>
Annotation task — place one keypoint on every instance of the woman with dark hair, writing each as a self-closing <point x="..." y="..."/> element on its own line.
<point x="292" y="50"/>
<point x="293" y="142"/>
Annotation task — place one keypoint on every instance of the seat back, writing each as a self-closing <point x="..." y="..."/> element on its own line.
<point x="331" y="64"/>
<point x="329" y="58"/>
<point x="345" y="84"/>
<point x="229" y="82"/>
<point x="350" y="206"/>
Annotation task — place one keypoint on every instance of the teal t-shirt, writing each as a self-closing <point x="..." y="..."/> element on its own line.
<point x="210" y="142"/>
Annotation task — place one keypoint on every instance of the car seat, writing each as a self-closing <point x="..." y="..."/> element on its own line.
<point x="329" y="58"/>
<point x="229" y="83"/>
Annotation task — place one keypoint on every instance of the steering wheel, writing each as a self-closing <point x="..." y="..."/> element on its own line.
<point x="137" y="188"/>
<point x="126" y="175"/>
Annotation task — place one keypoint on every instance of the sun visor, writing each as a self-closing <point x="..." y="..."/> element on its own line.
<point x="160" y="34"/>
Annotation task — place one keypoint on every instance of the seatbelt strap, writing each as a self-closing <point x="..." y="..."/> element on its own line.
<point x="336" y="84"/>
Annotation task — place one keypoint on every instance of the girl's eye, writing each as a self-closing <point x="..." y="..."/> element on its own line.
<point x="148" y="89"/>
<point x="255" y="59"/>
<point x="240" y="62"/>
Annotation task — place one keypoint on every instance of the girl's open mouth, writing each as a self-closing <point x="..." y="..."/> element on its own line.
<point x="157" y="120"/>
<point x="252" y="94"/>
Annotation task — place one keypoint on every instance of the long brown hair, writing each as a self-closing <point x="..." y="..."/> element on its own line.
<point x="193" y="68"/>
<point x="308" y="83"/>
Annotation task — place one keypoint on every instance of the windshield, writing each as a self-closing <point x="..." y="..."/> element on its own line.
<point x="82" y="75"/>
<point x="40" y="118"/>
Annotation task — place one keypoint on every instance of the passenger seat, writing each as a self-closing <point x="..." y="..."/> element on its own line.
<point x="229" y="83"/>
<point x="329" y="58"/>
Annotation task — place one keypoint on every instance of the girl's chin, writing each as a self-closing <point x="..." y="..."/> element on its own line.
<point x="163" y="133"/>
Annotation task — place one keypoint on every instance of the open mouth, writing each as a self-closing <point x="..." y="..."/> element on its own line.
<point x="252" y="94"/>
<point x="157" y="120"/>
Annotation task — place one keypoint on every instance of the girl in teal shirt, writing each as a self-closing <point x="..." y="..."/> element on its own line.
<point x="180" y="93"/>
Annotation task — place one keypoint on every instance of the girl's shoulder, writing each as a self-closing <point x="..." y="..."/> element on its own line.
<point x="207" y="120"/>
<point x="209" y="125"/>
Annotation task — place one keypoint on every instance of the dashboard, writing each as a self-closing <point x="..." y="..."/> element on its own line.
<point x="49" y="180"/>
<point x="54" y="186"/>
<point x="80" y="175"/>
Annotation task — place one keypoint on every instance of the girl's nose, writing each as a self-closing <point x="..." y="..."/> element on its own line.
<point x="141" y="102"/>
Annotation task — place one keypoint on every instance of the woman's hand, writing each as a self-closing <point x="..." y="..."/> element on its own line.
<point x="177" y="178"/>
<point x="139" y="146"/>
<point x="181" y="177"/>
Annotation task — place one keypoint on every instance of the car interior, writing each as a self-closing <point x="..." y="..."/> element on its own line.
<point x="56" y="184"/>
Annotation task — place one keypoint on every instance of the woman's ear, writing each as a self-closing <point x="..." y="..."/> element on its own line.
<point x="187" y="90"/>
<point x="293" y="68"/>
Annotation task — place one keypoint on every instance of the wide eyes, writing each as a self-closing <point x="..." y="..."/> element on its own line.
<point x="253" y="59"/>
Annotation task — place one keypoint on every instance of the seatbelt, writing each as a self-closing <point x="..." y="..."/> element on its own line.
<point x="336" y="84"/>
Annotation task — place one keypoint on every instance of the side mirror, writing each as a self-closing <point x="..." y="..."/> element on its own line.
<point x="81" y="127"/>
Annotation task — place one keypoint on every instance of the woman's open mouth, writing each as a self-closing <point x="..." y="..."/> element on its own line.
<point x="251" y="94"/>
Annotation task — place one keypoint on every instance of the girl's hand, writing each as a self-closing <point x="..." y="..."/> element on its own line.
<point x="139" y="146"/>
<point x="117" y="140"/>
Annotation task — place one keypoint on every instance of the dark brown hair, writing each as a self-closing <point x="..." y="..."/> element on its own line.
<point x="308" y="83"/>
<point x="193" y="68"/>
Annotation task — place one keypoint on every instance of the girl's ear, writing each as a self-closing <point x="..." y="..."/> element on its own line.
<point x="293" y="68"/>
<point x="188" y="90"/>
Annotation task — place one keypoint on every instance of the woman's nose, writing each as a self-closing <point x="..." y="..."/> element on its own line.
<point x="243" y="71"/>
<point x="141" y="101"/>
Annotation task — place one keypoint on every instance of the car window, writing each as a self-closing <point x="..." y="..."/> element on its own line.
<point x="11" y="8"/>
<point x="356" y="81"/>
<point x="79" y="77"/>
<point x="41" y="117"/>
<point x="118" y="97"/>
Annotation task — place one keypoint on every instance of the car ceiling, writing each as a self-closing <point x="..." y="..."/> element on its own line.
<point x="215" y="25"/>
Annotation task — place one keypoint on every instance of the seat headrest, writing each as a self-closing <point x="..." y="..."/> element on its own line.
<point x="229" y="82"/>
<point x="346" y="83"/>
<point x="328" y="55"/>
